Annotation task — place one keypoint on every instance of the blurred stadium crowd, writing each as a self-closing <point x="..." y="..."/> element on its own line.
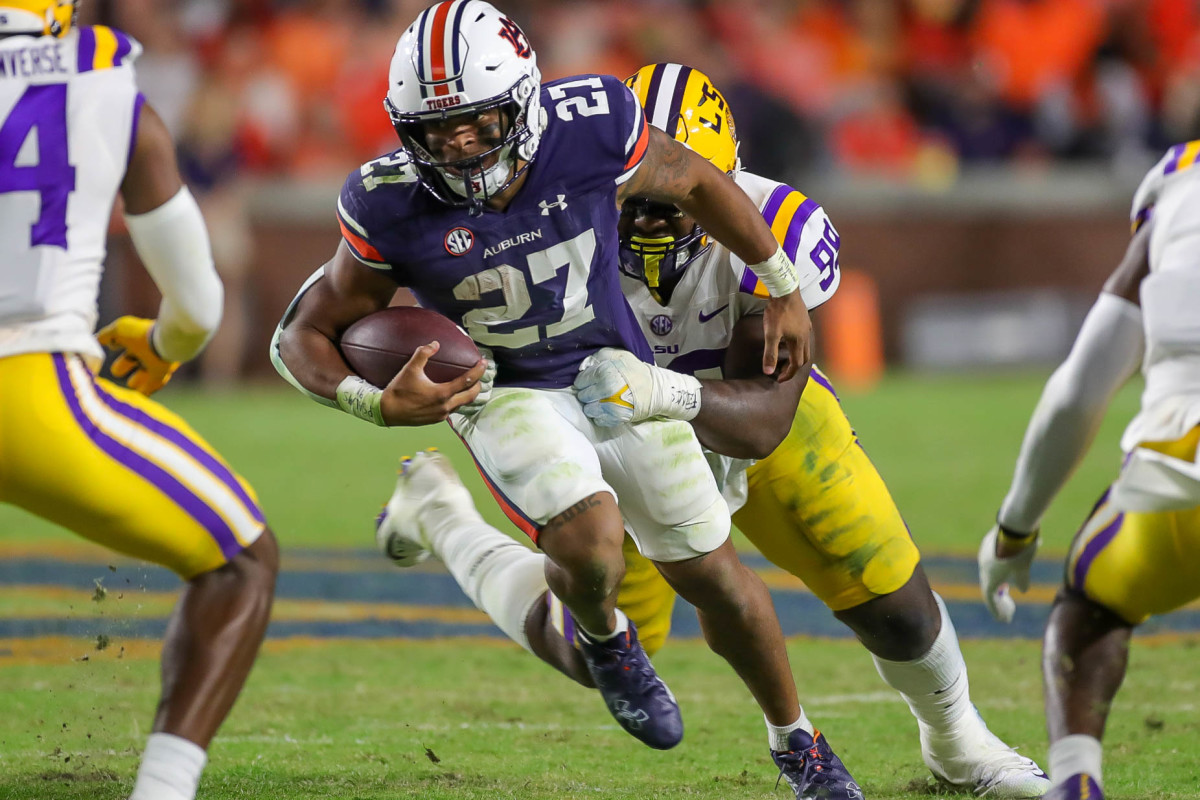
<point x="903" y="88"/>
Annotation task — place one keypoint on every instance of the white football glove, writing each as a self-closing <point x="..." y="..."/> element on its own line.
<point x="997" y="576"/>
<point x="615" y="387"/>
<point x="485" y="384"/>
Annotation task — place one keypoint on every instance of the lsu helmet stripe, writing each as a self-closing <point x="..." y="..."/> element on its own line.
<point x="650" y="98"/>
<point x="681" y="82"/>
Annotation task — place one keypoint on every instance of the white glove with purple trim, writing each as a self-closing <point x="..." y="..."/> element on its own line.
<point x="616" y="387"/>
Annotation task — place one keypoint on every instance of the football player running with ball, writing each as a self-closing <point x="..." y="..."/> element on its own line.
<point x="100" y="459"/>
<point x="500" y="212"/>
<point x="1138" y="552"/>
<point x="813" y="503"/>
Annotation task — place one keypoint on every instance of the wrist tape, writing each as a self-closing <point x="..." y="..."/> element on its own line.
<point x="360" y="399"/>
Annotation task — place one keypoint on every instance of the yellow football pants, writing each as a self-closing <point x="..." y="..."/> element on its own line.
<point x="1138" y="564"/>
<point x="117" y="468"/>
<point x="817" y="508"/>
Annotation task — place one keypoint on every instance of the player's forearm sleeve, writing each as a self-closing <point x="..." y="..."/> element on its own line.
<point x="277" y="357"/>
<point x="173" y="244"/>
<point x="1106" y="353"/>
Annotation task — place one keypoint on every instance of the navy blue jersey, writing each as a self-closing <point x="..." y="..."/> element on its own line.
<point x="538" y="282"/>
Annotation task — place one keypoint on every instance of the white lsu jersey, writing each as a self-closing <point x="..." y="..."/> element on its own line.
<point x="68" y="117"/>
<point x="691" y="332"/>
<point x="1169" y="200"/>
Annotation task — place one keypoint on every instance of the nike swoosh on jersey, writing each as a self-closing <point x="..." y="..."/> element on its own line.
<point x="706" y="317"/>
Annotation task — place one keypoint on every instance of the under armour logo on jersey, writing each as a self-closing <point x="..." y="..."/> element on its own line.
<point x="459" y="241"/>
<point x="561" y="204"/>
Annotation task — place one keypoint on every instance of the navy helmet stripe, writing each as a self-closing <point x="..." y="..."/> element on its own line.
<point x="422" y="72"/>
<point x="454" y="32"/>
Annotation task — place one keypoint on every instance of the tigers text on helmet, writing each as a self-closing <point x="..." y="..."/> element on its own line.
<point x="464" y="58"/>
<point x="683" y="102"/>
<point x="37" y="17"/>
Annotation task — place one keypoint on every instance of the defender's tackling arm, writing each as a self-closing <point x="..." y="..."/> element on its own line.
<point x="671" y="173"/>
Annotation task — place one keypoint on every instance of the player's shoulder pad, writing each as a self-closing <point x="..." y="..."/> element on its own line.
<point x="606" y="120"/>
<point x="367" y="197"/>
<point x="802" y="228"/>
<point x="1177" y="160"/>
<point x="99" y="47"/>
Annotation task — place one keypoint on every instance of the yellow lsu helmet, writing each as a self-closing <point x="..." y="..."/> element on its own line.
<point x="683" y="102"/>
<point x="37" y="17"/>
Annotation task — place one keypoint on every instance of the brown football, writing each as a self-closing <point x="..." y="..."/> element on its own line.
<point x="379" y="344"/>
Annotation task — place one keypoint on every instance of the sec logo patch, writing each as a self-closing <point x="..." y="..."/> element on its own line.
<point x="661" y="325"/>
<point x="459" y="241"/>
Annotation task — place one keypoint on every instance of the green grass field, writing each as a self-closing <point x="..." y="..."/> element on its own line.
<point x="473" y="718"/>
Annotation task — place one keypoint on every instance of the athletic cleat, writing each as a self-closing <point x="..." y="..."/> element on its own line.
<point x="813" y="770"/>
<point x="427" y="483"/>
<point x="980" y="763"/>
<point x="636" y="697"/>
<point x="1077" y="787"/>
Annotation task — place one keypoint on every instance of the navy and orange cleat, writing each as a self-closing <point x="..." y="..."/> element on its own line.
<point x="636" y="697"/>
<point x="1077" y="787"/>
<point x="813" y="770"/>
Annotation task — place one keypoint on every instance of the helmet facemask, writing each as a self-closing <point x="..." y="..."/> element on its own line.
<point x="658" y="261"/>
<point x="467" y="182"/>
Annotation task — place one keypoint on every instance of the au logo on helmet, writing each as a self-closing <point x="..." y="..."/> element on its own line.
<point x="512" y="33"/>
<point x="459" y="241"/>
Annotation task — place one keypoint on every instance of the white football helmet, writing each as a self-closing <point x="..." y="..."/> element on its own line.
<point x="464" y="57"/>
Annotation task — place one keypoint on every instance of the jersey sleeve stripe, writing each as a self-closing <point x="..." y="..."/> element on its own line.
<point x="1140" y="219"/>
<point x="87" y="50"/>
<point x="795" y="228"/>
<point x="138" y="102"/>
<point x="359" y="246"/>
<point x="787" y="211"/>
<point x="1183" y="156"/>
<point x="635" y="130"/>
<point x="124" y="48"/>
<point x="639" y="149"/>
<point x="751" y="284"/>
<point x="106" y="47"/>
